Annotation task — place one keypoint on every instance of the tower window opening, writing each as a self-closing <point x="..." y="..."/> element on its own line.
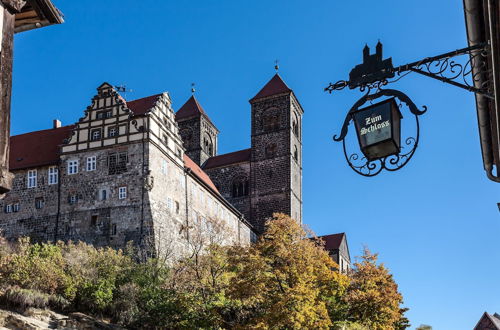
<point x="240" y="187"/>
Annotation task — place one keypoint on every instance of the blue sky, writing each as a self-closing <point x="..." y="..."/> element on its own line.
<point x="435" y="223"/>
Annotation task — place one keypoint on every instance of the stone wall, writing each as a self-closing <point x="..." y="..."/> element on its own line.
<point x="224" y="177"/>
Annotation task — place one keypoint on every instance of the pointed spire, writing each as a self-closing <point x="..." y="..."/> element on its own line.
<point x="366" y="53"/>
<point x="191" y="109"/>
<point x="275" y="86"/>
<point x="378" y="50"/>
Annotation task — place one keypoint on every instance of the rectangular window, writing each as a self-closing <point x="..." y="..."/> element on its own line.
<point x="16" y="207"/>
<point x="73" y="199"/>
<point x="32" y="179"/>
<point x="122" y="192"/>
<point x="72" y="166"/>
<point x="53" y="175"/>
<point x="95" y="135"/>
<point x="164" y="166"/>
<point x="112" y="131"/>
<point x="104" y="194"/>
<point x="8" y="208"/>
<point x="170" y="203"/>
<point x="113" y="229"/>
<point x="177" y="207"/>
<point x="117" y="163"/>
<point x="39" y="203"/>
<point x="91" y="163"/>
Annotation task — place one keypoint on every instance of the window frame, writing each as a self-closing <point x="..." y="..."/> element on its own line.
<point x="32" y="178"/>
<point x="122" y="192"/>
<point x="91" y="163"/>
<point x="112" y="131"/>
<point x="93" y="137"/>
<point x="73" y="165"/>
<point x="16" y="207"/>
<point x="39" y="203"/>
<point x="53" y="175"/>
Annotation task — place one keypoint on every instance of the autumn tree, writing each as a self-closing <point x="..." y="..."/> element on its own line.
<point x="373" y="297"/>
<point x="286" y="280"/>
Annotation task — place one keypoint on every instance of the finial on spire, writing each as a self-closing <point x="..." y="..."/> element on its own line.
<point x="192" y="88"/>
<point x="276" y="66"/>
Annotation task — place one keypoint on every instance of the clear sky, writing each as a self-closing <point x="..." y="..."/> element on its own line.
<point x="435" y="223"/>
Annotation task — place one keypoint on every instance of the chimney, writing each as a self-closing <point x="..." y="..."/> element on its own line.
<point x="56" y="123"/>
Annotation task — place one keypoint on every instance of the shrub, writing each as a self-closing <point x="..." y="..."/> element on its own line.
<point x="16" y="297"/>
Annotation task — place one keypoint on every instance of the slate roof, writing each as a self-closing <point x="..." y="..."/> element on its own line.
<point x="228" y="159"/>
<point x="191" y="108"/>
<point x="40" y="148"/>
<point x="333" y="241"/>
<point x="273" y="87"/>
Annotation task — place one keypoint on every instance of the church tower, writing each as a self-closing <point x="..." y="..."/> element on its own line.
<point x="198" y="133"/>
<point x="276" y="153"/>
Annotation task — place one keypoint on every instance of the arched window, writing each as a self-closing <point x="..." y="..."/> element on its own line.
<point x="239" y="187"/>
<point x="295" y="153"/>
<point x="295" y="125"/>
<point x="271" y="150"/>
<point x="208" y="145"/>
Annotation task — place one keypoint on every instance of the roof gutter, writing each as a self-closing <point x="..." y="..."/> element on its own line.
<point x="481" y="26"/>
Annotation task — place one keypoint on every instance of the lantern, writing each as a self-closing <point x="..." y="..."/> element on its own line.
<point x="378" y="127"/>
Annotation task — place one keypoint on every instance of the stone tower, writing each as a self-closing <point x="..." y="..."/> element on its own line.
<point x="199" y="134"/>
<point x="276" y="153"/>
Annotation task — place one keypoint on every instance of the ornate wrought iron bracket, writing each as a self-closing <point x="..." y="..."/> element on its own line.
<point x="375" y="72"/>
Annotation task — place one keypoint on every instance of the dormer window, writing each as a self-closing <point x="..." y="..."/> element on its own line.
<point x="96" y="134"/>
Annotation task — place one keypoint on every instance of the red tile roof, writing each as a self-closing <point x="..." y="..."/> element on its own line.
<point x="39" y="148"/>
<point x="332" y="242"/>
<point x="275" y="86"/>
<point x="227" y="159"/>
<point x="141" y="106"/>
<point x="196" y="170"/>
<point x="191" y="108"/>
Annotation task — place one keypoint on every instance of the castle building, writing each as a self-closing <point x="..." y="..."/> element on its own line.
<point x="137" y="171"/>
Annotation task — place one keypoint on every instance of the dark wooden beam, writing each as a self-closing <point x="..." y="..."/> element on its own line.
<point x="6" y="54"/>
<point x="14" y="6"/>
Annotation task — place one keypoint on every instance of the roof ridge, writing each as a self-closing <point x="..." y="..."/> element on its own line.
<point x="43" y="130"/>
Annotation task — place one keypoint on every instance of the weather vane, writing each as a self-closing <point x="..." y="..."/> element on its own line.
<point x="192" y="88"/>
<point x="123" y="89"/>
<point x="276" y="66"/>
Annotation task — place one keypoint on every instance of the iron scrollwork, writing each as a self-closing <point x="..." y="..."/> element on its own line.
<point x="358" y="162"/>
<point x="375" y="73"/>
